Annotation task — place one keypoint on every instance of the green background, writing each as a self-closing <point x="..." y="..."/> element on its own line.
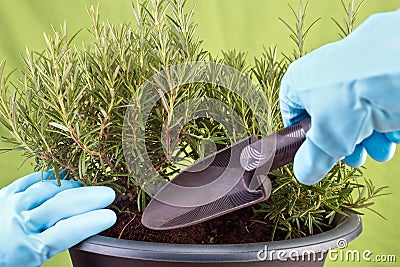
<point x="222" y="24"/>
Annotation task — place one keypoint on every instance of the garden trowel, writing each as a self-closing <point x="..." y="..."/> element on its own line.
<point x="227" y="180"/>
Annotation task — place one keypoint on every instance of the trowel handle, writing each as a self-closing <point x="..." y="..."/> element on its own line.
<point x="279" y="147"/>
<point x="288" y="141"/>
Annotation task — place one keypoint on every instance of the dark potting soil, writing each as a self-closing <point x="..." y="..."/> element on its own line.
<point x="232" y="228"/>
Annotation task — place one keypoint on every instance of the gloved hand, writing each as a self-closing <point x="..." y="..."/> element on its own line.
<point x="351" y="91"/>
<point x="39" y="218"/>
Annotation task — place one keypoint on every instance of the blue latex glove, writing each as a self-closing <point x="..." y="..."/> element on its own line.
<point x="351" y="90"/>
<point x="39" y="218"/>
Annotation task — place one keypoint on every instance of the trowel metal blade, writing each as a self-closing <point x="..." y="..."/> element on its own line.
<point x="214" y="186"/>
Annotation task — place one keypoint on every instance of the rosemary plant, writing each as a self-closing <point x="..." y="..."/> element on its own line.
<point x="67" y="112"/>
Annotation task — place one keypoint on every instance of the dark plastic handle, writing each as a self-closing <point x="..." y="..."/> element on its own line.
<point x="279" y="147"/>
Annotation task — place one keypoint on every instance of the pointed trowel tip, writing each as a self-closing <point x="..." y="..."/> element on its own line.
<point x="161" y="216"/>
<point x="151" y="217"/>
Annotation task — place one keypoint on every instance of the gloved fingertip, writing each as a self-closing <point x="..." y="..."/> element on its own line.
<point x="65" y="233"/>
<point x="357" y="158"/>
<point x="103" y="195"/>
<point x="306" y="176"/>
<point x="107" y="193"/>
<point x="379" y="147"/>
<point x="393" y="136"/>
<point x="108" y="217"/>
<point x="311" y="164"/>
<point x="101" y="219"/>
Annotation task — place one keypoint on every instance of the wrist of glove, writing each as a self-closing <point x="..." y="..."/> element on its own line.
<point x="351" y="91"/>
<point x="39" y="219"/>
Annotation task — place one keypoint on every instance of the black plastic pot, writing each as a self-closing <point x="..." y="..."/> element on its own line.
<point x="101" y="251"/>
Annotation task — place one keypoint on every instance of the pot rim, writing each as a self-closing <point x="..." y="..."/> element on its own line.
<point x="347" y="229"/>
